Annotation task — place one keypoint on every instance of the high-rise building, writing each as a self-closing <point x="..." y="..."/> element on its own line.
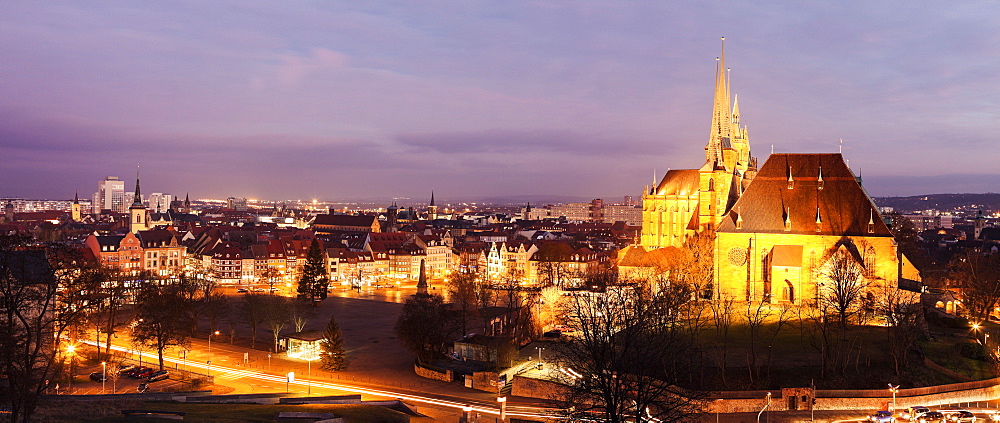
<point x="110" y="195"/>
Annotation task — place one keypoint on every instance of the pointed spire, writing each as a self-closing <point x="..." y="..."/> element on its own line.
<point x="76" y="197"/>
<point x="736" y="111"/>
<point x="739" y="218"/>
<point x="137" y="199"/>
<point x="722" y="119"/>
<point x="819" y="181"/>
<point x="819" y="219"/>
<point x="654" y="182"/>
<point x="788" y="219"/>
<point x="432" y="198"/>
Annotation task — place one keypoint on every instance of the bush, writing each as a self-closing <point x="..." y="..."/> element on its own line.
<point x="973" y="350"/>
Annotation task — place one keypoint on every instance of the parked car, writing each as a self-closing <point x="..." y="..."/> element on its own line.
<point x="144" y="373"/>
<point x="912" y="413"/>
<point x="881" y="417"/>
<point x="160" y="375"/>
<point x="962" y="416"/>
<point x="931" y="416"/>
<point x="241" y="290"/>
<point x="125" y="368"/>
<point x="134" y="373"/>
<point x="98" y="377"/>
<point x="143" y="387"/>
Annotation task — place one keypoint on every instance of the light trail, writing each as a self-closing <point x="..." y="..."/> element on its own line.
<point x="304" y="383"/>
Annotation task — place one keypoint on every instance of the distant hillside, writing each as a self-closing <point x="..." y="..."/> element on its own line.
<point x="988" y="201"/>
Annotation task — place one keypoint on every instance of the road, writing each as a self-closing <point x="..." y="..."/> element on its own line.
<point x="247" y="380"/>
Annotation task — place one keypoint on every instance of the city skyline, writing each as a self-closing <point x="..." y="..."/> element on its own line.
<point x="343" y="101"/>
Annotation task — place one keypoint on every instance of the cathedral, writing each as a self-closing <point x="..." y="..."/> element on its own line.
<point x="687" y="201"/>
<point x="778" y="230"/>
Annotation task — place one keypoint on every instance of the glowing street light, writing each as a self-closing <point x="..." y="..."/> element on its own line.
<point x="104" y="375"/>
<point x="893" y="389"/>
<point x="210" y="351"/>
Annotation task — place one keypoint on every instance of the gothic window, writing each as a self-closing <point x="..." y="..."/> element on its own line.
<point x="711" y="184"/>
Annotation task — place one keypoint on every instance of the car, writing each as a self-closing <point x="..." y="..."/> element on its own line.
<point x="962" y="416"/>
<point x="241" y="290"/>
<point x="881" y="417"/>
<point x="995" y="416"/>
<point x="125" y="368"/>
<point x="911" y="413"/>
<point x="931" y="416"/>
<point x="134" y="373"/>
<point x="98" y="377"/>
<point x="145" y="373"/>
<point x="160" y="375"/>
<point x="143" y="387"/>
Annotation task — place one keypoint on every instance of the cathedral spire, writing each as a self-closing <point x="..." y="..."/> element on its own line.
<point x="76" y="197"/>
<point x="432" y="198"/>
<point x="722" y="119"/>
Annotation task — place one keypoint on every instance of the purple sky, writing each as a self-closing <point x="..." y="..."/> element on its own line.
<point x="337" y="100"/>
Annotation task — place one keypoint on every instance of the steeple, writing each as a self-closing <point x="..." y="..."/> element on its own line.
<point x="137" y="199"/>
<point x="722" y="119"/>
<point x="432" y="197"/>
<point x="76" y="197"/>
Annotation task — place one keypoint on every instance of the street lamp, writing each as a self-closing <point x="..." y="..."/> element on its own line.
<point x="210" y="351"/>
<point x="893" y="389"/>
<point x="768" y="404"/>
<point x="539" y="357"/>
<point x="70" y="351"/>
<point x="104" y="375"/>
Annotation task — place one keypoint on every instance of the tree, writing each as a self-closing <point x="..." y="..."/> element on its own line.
<point x="978" y="275"/>
<point x="332" y="347"/>
<point x="276" y="315"/>
<point x="425" y="325"/>
<point x="165" y="317"/>
<point x="215" y="307"/>
<point x="252" y="309"/>
<point x="631" y="354"/>
<point x="40" y="299"/>
<point x="314" y="281"/>
<point x="845" y="284"/>
<point x="299" y="315"/>
<point x="903" y="316"/>
<point x="109" y="303"/>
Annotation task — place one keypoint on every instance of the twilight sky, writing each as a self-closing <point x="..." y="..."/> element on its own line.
<point x="347" y="99"/>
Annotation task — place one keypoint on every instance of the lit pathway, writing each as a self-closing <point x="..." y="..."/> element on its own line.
<point x="277" y="383"/>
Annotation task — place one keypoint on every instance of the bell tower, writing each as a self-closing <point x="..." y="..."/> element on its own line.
<point x="138" y="215"/>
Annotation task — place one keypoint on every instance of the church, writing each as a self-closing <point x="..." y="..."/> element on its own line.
<point x="687" y="201"/>
<point x="778" y="228"/>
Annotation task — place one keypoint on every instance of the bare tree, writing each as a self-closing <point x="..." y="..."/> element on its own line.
<point x="630" y="353"/>
<point x="252" y="309"/>
<point x="215" y="307"/>
<point x="903" y="316"/>
<point x="722" y="320"/>
<point x="165" y="315"/>
<point x="40" y="295"/>
<point x="462" y="292"/>
<point x="425" y="326"/>
<point x="276" y="316"/>
<point x="299" y="315"/>
<point x="845" y="284"/>
<point x="978" y="275"/>
<point x="754" y="315"/>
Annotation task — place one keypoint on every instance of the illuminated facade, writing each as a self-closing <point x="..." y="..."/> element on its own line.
<point x="687" y="201"/>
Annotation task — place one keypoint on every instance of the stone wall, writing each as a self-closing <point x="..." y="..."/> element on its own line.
<point x="483" y="381"/>
<point x="446" y="376"/>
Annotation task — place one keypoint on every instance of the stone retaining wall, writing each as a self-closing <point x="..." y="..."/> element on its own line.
<point x="447" y="376"/>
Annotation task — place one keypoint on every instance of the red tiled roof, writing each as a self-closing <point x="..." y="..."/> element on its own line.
<point x="844" y="207"/>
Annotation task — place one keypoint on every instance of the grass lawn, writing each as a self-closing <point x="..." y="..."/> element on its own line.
<point x="111" y="411"/>
<point x="947" y="354"/>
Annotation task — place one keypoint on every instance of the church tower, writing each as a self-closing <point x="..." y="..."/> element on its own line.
<point x="75" y="212"/>
<point x="687" y="201"/>
<point x="432" y="210"/>
<point x="187" y="203"/>
<point x="391" y="216"/>
<point x="139" y="216"/>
